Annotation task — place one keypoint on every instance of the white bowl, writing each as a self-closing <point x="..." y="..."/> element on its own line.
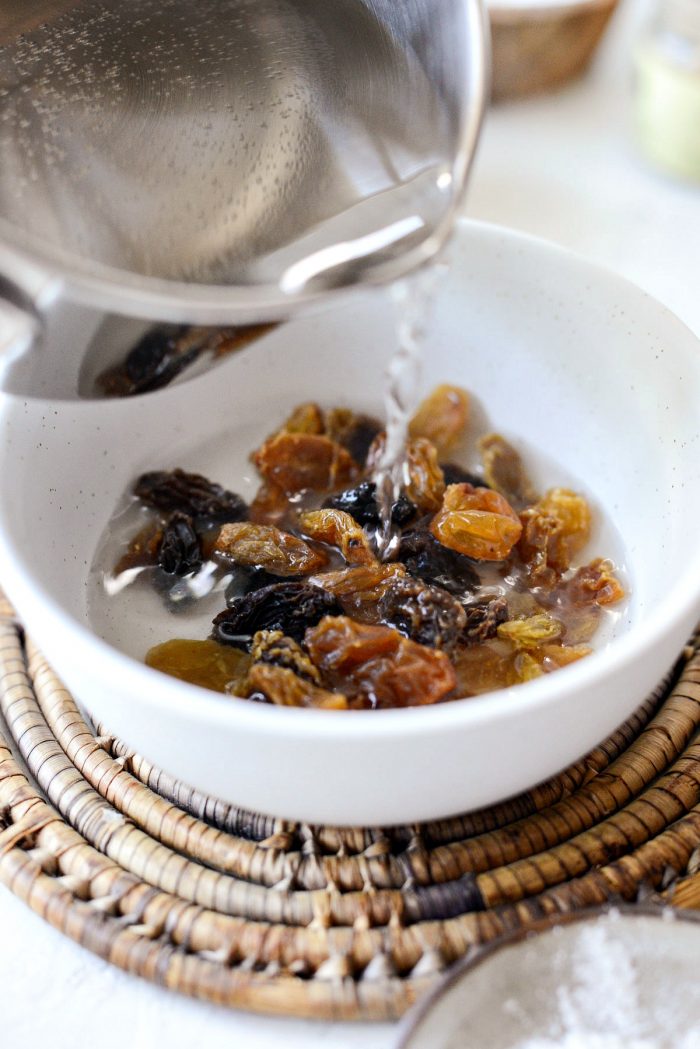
<point x="601" y="385"/>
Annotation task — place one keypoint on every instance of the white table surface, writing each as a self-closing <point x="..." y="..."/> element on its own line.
<point x="564" y="167"/>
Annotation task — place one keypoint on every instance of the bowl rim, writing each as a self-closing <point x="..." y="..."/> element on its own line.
<point x="167" y="695"/>
<point x="462" y="968"/>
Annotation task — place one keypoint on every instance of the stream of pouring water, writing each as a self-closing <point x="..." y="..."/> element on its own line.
<point x="412" y="300"/>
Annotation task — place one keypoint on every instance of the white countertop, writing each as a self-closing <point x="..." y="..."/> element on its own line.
<point x="564" y="167"/>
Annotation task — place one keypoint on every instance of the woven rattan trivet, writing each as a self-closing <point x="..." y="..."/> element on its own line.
<point x="260" y="914"/>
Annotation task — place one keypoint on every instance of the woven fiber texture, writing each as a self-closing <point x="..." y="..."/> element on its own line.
<point x="277" y="917"/>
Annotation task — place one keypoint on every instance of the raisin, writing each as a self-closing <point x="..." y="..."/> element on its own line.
<point x="504" y="470"/>
<point x="554" y="530"/>
<point x="223" y="341"/>
<point x="355" y="432"/>
<point x="152" y="363"/>
<point x="476" y="522"/>
<point x="555" y="656"/>
<point x="267" y="547"/>
<point x="484" y="668"/>
<point x="455" y="474"/>
<point x="191" y="494"/>
<point x="271" y="646"/>
<point x="527" y="667"/>
<point x="306" y="418"/>
<point x="361" y="503"/>
<point x="143" y="548"/>
<point x="180" y="551"/>
<point x="244" y="580"/>
<point x="297" y="462"/>
<point x="290" y="607"/>
<point x="595" y="582"/>
<point x="284" y="688"/>
<point x="424" y="481"/>
<point x="377" y="664"/>
<point x="359" y="589"/>
<point x="484" y="618"/>
<point x="437" y="565"/>
<point x="270" y="505"/>
<point x="204" y="663"/>
<point x="531" y="632"/>
<point x="338" y="528"/>
<point x="426" y="614"/>
<point x="442" y="417"/>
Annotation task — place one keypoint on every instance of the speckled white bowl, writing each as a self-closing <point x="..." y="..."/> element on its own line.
<point x="588" y="372"/>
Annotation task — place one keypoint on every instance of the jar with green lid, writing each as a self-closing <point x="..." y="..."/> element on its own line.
<point x="668" y="88"/>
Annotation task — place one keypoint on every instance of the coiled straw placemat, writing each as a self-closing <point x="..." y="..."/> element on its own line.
<point x="261" y="914"/>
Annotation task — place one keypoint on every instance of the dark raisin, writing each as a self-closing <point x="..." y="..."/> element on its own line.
<point x="436" y="564"/>
<point x="426" y="614"/>
<point x="403" y="511"/>
<point x="354" y="432"/>
<point x="155" y="361"/>
<point x="455" y="474"/>
<point x="290" y="607"/>
<point x="191" y="494"/>
<point x="361" y="503"/>
<point x="484" y="618"/>
<point x="245" y="580"/>
<point x="180" y="551"/>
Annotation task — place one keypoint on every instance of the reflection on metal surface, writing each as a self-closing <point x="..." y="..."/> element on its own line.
<point x="154" y="149"/>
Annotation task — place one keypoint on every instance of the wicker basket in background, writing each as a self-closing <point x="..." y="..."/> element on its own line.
<point x="540" y="47"/>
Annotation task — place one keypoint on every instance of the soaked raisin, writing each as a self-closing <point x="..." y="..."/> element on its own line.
<point x="527" y="667"/>
<point x="271" y="646"/>
<point x="191" y="494"/>
<point x="284" y="688"/>
<point x="425" y="558"/>
<point x="476" y="522"/>
<point x="455" y="474"/>
<point x="204" y="663"/>
<point x="306" y="418"/>
<point x="180" y="551"/>
<point x="359" y="589"/>
<point x="483" y="619"/>
<point x="290" y="607"/>
<point x="378" y="664"/>
<point x="267" y="547"/>
<point x="425" y="483"/>
<point x="531" y="632"/>
<point x="484" y="668"/>
<point x="270" y="505"/>
<point x="554" y="656"/>
<point x="354" y="431"/>
<point x="338" y="528"/>
<point x="554" y="530"/>
<point x="426" y="614"/>
<point x="143" y="548"/>
<point x="297" y="462"/>
<point x="361" y="503"/>
<point x="595" y="582"/>
<point x="504" y="470"/>
<point x="442" y="417"/>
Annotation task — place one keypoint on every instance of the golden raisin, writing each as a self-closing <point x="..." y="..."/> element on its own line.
<point x="484" y="667"/>
<point x="442" y="418"/>
<point x="270" y="505"/>
<point x="338" y="528"/>
<point x="476" y="522"/>
<point x="285" y="689"/>
<point x="204" y="663"/>
<point x="378" y="664"/>
<point x="527" y="667"/>
<point x="358" y="589"/>
<point x="267" y="547"/>
<point x="296" y="462"/>
<point x="554" y="530"/>
<point x="143" y="548"/>
<point x="555" y="656"/>
<point x="530" y="632"/>
<point x="595" y="582"/>
<point x="424" y="481"/>
<point x="306" y="418"/>
<point x="504" y="470"/>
